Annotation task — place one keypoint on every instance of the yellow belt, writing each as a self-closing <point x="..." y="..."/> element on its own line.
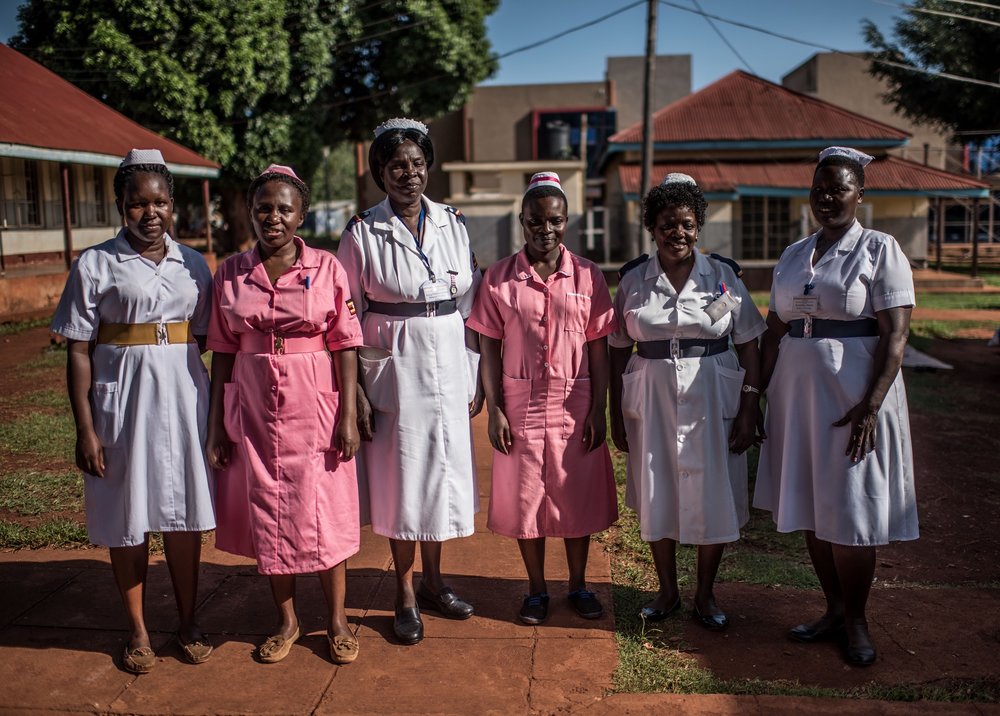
<point x="144" y="334"/>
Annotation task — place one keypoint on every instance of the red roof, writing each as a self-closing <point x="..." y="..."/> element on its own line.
<point x="890" y="174"/>
<point x="741" y="107"/>
<point x="41" y="109"/>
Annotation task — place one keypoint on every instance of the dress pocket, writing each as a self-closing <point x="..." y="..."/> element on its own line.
<point x="576" y="406"/>
<point x="327" y="408"/>
<point x="108" y="418"/>
<point x="632" y="395"/>
<point x="729" y="383"/>
<point x="576" y="312"/>
<point x="516" y="395"/>
<point x="472" y="359"/>
<point x="232" y="420"/>
<point x="379" y="378"/>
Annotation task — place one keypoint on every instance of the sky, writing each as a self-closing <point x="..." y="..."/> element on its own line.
<point x="580" y="56"/>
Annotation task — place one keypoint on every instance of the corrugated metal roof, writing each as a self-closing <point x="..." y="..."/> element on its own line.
<point x="742" y="107"/>
<point x="40" y="109"/>
<point x="889" y="173"/>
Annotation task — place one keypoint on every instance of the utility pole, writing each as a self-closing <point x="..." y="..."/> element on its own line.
<point x="635" y="247"/>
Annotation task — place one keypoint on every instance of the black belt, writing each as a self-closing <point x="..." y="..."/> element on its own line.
<point x="684" y="348"/>
<point x="411" y="310"/>
<point x="827" y="328"/>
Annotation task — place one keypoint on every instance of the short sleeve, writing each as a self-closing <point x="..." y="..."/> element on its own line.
<point x="202" y="315"/>
<point x="892" y="279"/>
<point x="485" y="317"/>
<point x="602" y="312"/>
<point x="77" y="316"/>
<point x="748" y="324"/>
<point x="352" y="261"/>
<point x="221" y="337"/>
<point x="344" y="329"/>
<point x="467" y="300"/>
<point x="619" y="337"/>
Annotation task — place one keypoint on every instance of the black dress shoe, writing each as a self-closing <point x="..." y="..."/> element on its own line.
<point x="860" y="650"/>
<point x="650" y="614"/>
<point x="820" y="630"/>
<point x="712" y="622"/>
<point x="407" y="625"/>
<point x="446" y="602"/>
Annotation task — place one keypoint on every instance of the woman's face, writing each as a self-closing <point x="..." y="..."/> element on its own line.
<point x="276" y="214"/>
<point x="405" y="175"/>
<point x="543" y="221"/>
<point x="834" y="197"/>
<point x="675" y="233"/>
<point x="147" y="208"/>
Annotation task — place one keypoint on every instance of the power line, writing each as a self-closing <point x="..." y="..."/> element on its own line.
<point x="955" y="15"/>
<point x="975" y="4"/>
<point x="558" y="35"/>
<point x="890" y="63"/>
<point x="723" y="37"/>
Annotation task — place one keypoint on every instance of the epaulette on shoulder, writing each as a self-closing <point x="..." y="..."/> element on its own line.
<point x="737" y="269"/>
<point x="631" y="265"/>
<point x="457" y="212"/>
<point x="358" y="218"/>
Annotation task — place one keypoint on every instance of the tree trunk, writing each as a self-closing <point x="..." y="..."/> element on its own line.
<point x="238" y="233"/>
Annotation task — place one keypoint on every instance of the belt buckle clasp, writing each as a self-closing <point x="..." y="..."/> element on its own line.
<point x="675" y="348"/>
<point x="162" y="337"/>
<point x="279" y="345"/>
<point x="432" y="309"/>
<point x="807" y="327"/>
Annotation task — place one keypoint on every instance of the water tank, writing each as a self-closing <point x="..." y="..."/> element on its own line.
<point x="557" y="140"/>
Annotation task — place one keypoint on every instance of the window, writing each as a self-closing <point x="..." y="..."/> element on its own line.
<point x="767" y="227"/>
<point x="100" y="198"/>
<point x="19" y="190"/>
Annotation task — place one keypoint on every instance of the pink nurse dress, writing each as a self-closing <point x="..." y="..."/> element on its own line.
<point x="549" y="485"/>
<point x="301" y="505"/>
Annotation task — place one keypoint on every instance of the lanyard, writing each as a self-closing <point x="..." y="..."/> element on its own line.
<point x="418" y="239"/>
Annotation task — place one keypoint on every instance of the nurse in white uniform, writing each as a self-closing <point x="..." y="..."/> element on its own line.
<point x="685" y="406"/>
<point x="135" y="312"/>
<point x="837" y="462"/>
<point x="413" y="280"/>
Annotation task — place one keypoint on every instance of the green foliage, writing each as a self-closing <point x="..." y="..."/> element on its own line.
<point x="941" y="44"/>
<point x="30" y="492"/>
<point x="52" y="533"/>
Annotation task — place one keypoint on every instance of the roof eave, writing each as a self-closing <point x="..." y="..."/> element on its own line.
<point x="22" y="151"/>
<point x="743" y="144"/>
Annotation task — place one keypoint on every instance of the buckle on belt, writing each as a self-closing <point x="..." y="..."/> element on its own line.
<point x="675" y="348"/>
<point x="431" y="309"/>
<point x="162" y="337"/>
<point x="279" y="345"/>
<point x="807" y="327"/>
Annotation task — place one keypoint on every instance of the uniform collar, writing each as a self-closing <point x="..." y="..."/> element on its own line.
<point x="384" y="215"/>
<point x="522" y="264"/>
<point x="844" y="245"/>
<point x="125" y="252"/>
<point x="701" y="266"/>
<point x="251" y="264"/>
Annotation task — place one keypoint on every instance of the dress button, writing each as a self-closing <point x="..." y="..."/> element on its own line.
<point x="274" y="389"/>
<point x="545" y="289"/>
<point x="545" y="347"/>
<point x="685" y="474"/>
<point x="545" y="364"/>
<point x="682" y="401"/>
<point x="680" y="366"/>
<point x="680" y="438"/>
<point x="544" y="319"/>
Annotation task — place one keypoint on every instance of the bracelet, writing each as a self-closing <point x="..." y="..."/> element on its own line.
<point x="749" y="389"/>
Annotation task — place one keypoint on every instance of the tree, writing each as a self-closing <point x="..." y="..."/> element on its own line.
<point x="954" y="45"/>
<point x="257" y="81"/>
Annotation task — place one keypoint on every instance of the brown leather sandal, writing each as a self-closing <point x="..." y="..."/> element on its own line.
<point x="343" y="649"/>
<point x="140" y="660"/>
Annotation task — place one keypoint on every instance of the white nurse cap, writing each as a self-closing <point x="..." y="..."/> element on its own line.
<point x="678" y="178"/>
<point x="539" y="179"/>
<point x="142" y="156"/>
<point x="860" y="157"/>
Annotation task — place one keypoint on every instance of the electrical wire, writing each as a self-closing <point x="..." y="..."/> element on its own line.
<point x="558" y="35"/>
<point x="941" y="13"/>
<point x="723" y="37"/>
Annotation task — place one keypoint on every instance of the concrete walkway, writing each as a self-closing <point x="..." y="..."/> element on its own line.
<point x="62" y="633"/>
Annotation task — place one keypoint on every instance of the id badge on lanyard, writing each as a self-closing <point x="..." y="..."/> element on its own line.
<point x="807" y="303"/>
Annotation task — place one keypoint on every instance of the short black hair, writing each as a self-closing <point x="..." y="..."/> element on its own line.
<point x="851" y="165"/>
<point x="674" y="194"/>
<point x="386" y="144"/>
<point x="124" y="174"/>
<point x="266" y="177"/>
<point x="540" y="192"/>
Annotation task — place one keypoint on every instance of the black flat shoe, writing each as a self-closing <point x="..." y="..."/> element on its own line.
<point x="820" y="630"/>
<point x="712" y="622"/>
<point x="585" y="603"/>
<point x="650" y="614"/>
<point x="446" y="602"/>
<point x="860" y="650"/>
<point x="407" y="625"/>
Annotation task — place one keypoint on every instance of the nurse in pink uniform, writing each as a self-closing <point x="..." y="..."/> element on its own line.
<point x="288" y="407"/>
<point x="543" y="315"/>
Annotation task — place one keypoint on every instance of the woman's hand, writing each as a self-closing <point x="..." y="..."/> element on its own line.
<point x="499" y="431"/>
<point x="744" y="432"/>
<point x="89" y="453"/>
<point x="595" y="430"/>
<point x="618" y="434"/>
<point x="217" y="449"/>
<point x="347" y="439"/>
<point x="476" y="406"/>
<point x="366" y="416"/>
<point x="862" y="419"/>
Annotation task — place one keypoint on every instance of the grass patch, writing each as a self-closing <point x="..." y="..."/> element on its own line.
<point x="14" y="327"/>
<point x="41" y="433"/>
<point x="55" y="533"/>
<point x="947" y="329"/>
<point x="960" y="301"/>
<point x="29" y="492"/>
